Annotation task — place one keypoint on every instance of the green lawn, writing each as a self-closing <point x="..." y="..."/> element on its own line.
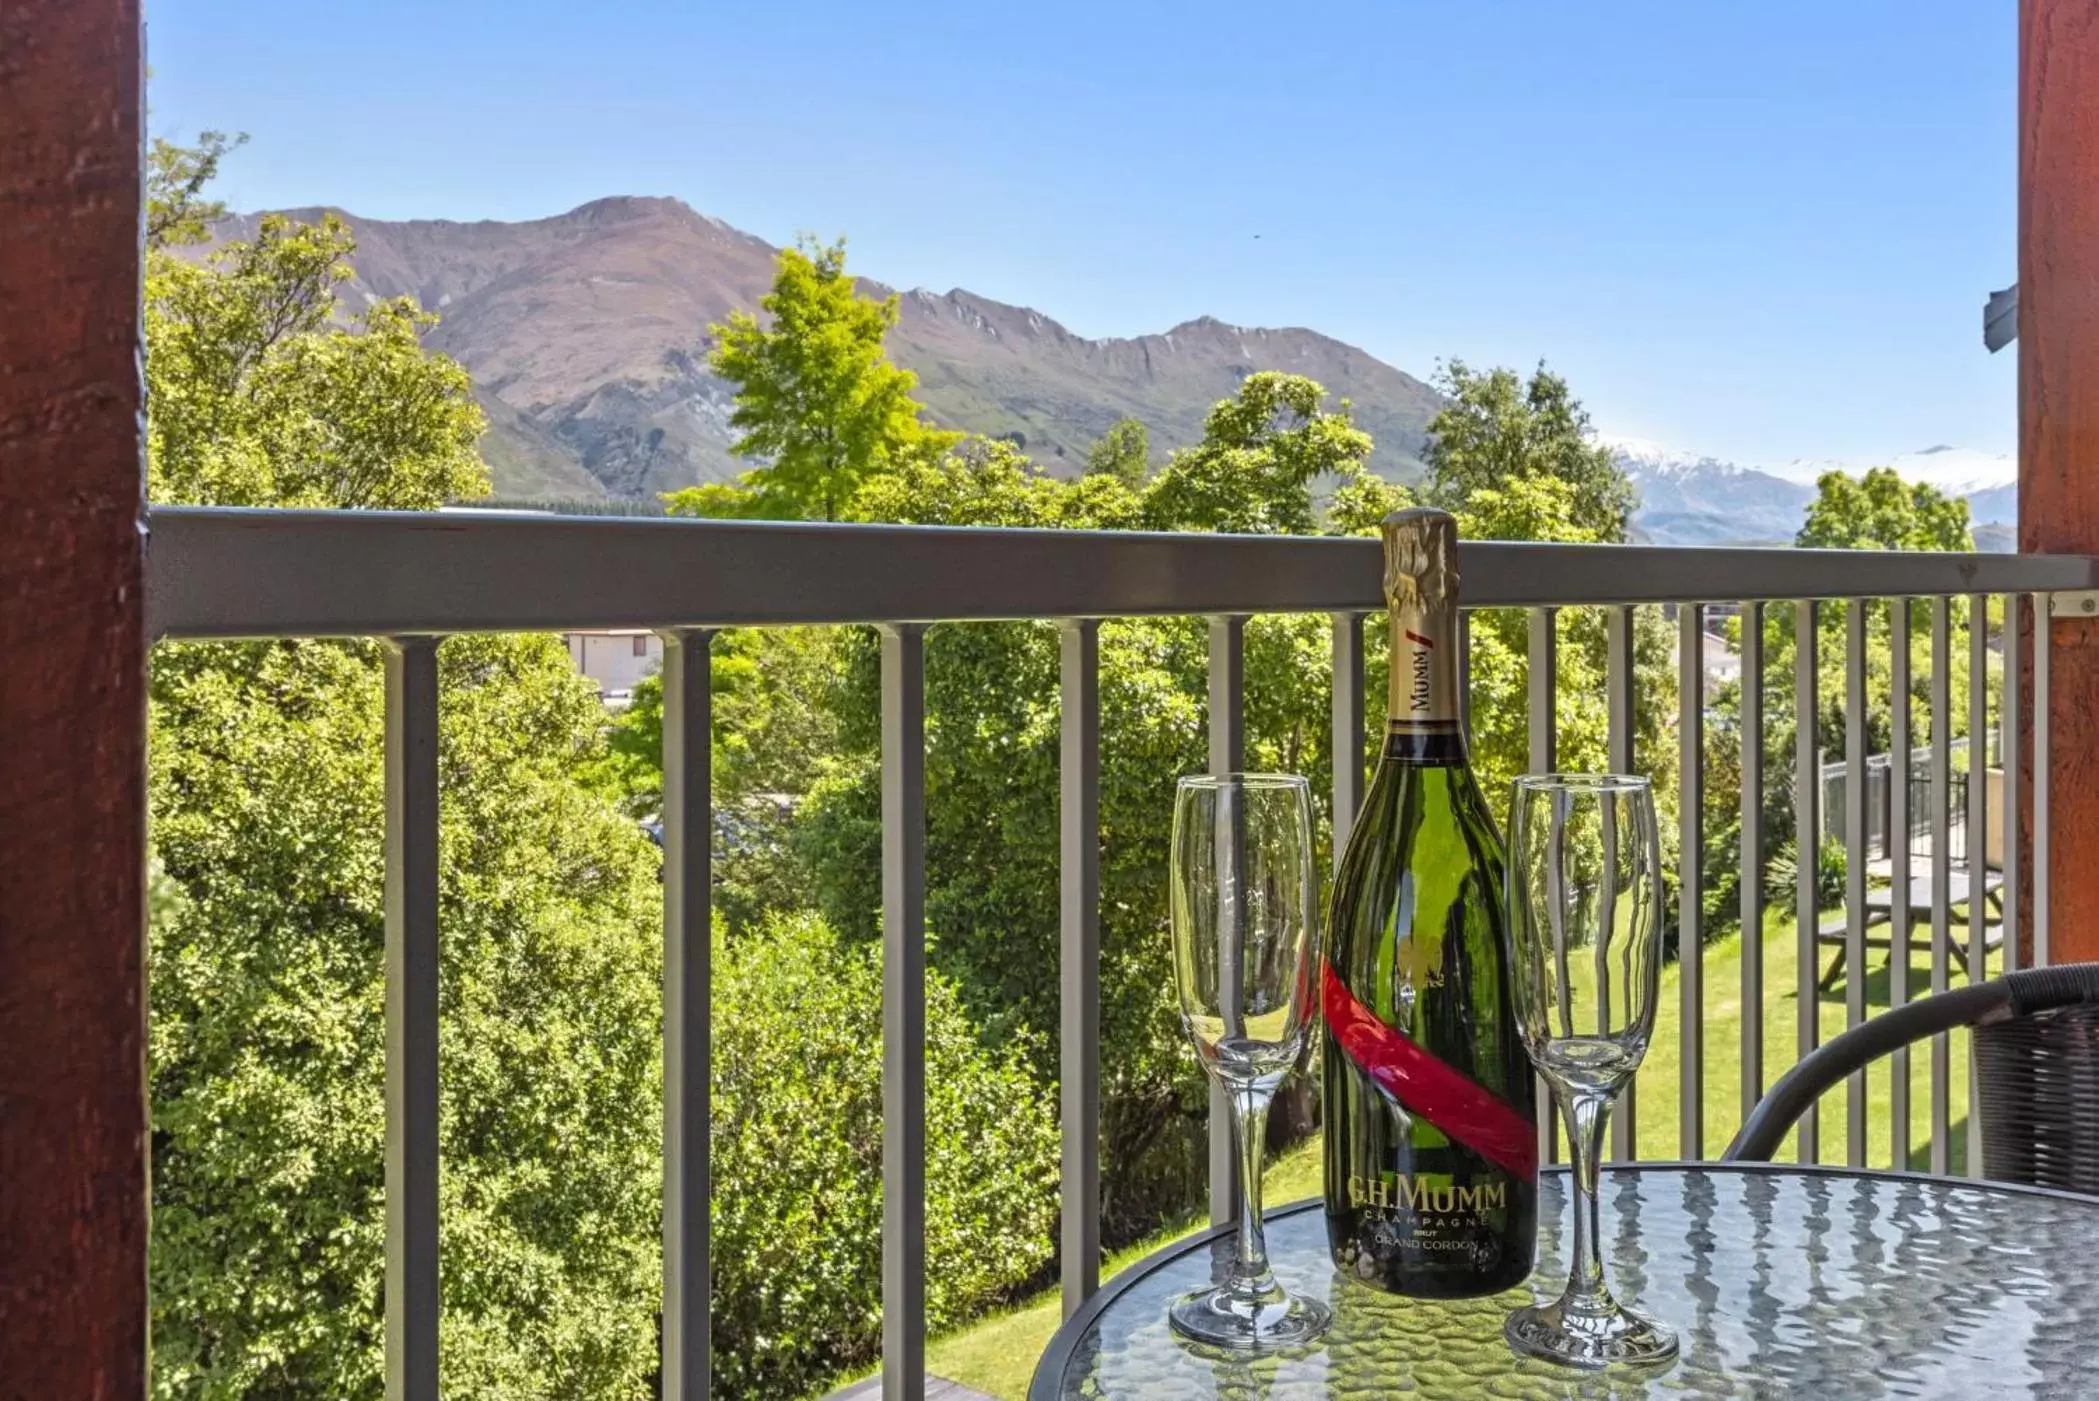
<point x="997" y="1354"/>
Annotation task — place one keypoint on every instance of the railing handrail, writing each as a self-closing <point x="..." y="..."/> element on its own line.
<point x="409" y="577"/>
<point x="218" y="572"/>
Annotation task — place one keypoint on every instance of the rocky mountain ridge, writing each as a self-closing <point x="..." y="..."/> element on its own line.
<point x="586" y="334"/>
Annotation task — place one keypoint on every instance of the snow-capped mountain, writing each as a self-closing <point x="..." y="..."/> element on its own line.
<point x="1696" y="499"/>
<point x="1957" y="471"/>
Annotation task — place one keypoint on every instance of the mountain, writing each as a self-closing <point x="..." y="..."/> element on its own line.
<point x="1956" y="471"/>
<point x="1692" y="499"/>
<point x="586" y="337"/>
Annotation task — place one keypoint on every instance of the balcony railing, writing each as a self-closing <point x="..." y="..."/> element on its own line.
<point x="411" y="579"/>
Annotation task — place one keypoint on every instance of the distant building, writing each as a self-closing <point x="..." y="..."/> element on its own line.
<point x="616" y="659"/>
<point x="1723" y="664"/>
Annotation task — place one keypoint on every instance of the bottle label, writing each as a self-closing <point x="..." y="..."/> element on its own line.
<point x="1398" y="1191"/>
<point x="1423" y="694"/>
<point x="1427" y="1086"/>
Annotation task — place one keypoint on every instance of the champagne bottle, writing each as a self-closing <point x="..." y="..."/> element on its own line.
<point x="1431" y="1130"/>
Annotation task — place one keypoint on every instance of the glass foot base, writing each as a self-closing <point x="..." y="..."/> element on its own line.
<point x="1589" y="1337"/>
<point x="1261" y="1323"/>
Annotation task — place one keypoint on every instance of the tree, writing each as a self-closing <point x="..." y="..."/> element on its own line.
<point x="1123" y="452"/>
<point x="265" y="931"/>
<point x="817" y="400"/>
<point x="1495" y="427"/>
<point x="1880" y="511"/>
<point x="797" y="1134"/>
<point x="267" y="1043"/>
<point x="177" y="213"/>
<point x="1262" y="450"/>
<point x="992" y="845"/>
<point x="257" y="396"/>
<point x="1513" y="460"/>
<point x="1876" y="511"/>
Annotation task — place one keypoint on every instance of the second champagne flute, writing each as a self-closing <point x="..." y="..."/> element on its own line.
<point x="1585" y="913"/>
<point x="1244" y="946"/>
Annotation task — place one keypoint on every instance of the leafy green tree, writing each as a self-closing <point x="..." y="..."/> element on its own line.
<point x="1877" y="511"/>
<point x="1262" y="451"/>
<point x="1541" y="507"/>
<point x="177" y="211"/>
<point x="992" y="841"/>
<point x="259" y="397"/>
<point x="732" y="501"/>
<point x="1514" y="460"/>
<point x="1880" y="511"/>
<point x="266" y="944"/>
<point x="817" y="399"/>
<point x="268" y="1048"/>
<point x="986" y="481"/>
<point x="265" y="930"/>
<point x="775" y="729"/>
<point x="798" y="1132"/>
<point x="1495" y="426"/>
<point x="1123" y="452"/>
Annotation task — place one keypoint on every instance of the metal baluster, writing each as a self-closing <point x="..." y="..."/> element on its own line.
<point x="1752" y="706"/>
<point x="688" y="888"/>
<point x="1978" y="842"/>
<point x="903" y="1012"/>
<point x="411" y="1019"/>
<point x="1900" y="823"/>
<point x="1227" y="755"/>
<point x="1542" y="678"/>
<point x="1807" y="836"/>
<point x="2043" y="605"/>
<point x="1855" y="861"/>
<point x="1465" y="673"/>
<point x="1079" y="1012"/>
<point x="1941" y="862"/>
<point x="1618" y="689"/>
<point x="1690" y="887"/>
<point x="2011" y="717"/>
<point x="1348" y="726"/>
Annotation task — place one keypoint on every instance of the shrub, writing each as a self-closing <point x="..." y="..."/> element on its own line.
<point x="797" y="1158"/>
<point x="267" y="1049"/>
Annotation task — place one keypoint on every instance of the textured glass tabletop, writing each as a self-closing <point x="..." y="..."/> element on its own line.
<point x="1781" y="1282"/>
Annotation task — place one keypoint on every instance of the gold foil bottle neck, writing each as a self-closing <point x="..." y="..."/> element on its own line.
<point x="1421" y="559"/>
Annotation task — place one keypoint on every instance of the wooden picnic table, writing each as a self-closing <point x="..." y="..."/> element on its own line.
<point x="1880" y="910"/>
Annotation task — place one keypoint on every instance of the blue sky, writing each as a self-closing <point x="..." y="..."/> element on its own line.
<point x="1757" y="230"/>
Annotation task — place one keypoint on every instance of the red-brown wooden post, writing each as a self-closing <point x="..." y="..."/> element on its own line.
<point x="2059" y="421"/>
<point x="72" y="707"/>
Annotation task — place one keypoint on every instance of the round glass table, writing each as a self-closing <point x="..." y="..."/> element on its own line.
<point x="1781" y="1282"/>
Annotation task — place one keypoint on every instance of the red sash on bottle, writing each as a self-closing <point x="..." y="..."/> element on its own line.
<point x="1429" y="1088"/>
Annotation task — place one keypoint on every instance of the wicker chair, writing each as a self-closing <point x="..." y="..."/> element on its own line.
<point x="2036" y="1037"/>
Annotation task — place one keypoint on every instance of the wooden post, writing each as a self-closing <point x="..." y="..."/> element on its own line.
<point x="72" y="706"/>
<point x="2059" y="426"/>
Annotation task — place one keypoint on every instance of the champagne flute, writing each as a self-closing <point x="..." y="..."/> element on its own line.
<point x="1244" y="946"/>
<point x="1585" y="917"/>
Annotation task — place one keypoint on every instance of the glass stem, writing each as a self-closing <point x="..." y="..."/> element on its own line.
<point x="1250" y="1126"/>
<point x="1586" y="1115"/>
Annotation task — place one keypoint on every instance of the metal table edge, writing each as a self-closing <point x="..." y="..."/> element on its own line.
<point x="1050" y="1367"/>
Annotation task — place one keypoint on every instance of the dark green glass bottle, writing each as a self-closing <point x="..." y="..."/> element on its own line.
<point x="1431" y="1138"/>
